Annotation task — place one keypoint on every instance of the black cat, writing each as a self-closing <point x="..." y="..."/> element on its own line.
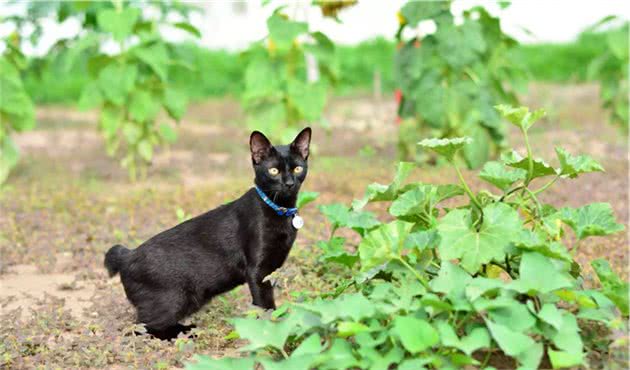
<point x="176" y="272"/>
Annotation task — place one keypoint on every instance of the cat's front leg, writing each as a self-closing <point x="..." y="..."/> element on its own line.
<point x="262" y="291"/>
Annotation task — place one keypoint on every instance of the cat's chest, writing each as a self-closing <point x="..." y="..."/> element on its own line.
<point x="279" y="233"/>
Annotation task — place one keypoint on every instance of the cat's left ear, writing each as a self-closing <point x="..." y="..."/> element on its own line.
<point x="301" y="143"/>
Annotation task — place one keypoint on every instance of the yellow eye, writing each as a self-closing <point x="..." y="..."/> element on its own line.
<point x="273" y="171"/>
<point x="298" y="169"/>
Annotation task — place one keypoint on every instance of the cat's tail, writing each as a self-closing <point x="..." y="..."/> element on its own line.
<point x="114" y="259"/>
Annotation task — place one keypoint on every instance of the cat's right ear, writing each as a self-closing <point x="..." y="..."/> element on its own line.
<point x="260" y="146"/>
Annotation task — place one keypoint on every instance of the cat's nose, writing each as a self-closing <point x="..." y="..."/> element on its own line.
<point x="289" y="184"/>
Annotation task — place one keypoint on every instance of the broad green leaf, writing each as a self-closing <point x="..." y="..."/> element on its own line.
<point x="143" y="106"/>
<point x="535" y="242"/>
<point x="167" y="133"/>
<point x="521" y="116"/>
<point x="416" y="11"/>
<point x="377" y="192"/>
<point x="478" y="338"/>
<point x="516" y="344"/>
<point x="417" y="203"/>
<point x="225" y="363"/>
<point x="308" y="98"/>
<point x="262" y="333"/>
<point x="283" y="31"/>
<point x="540" y="275"/>
<point x="309" y="346"/>
<point x="175" y="102"/>
<point x="481" y="285"/>
<point x="156" y="57"/>
<point x="145" y="149"/>
<point x="477" y="154"/>
<point x="572" y="166"/>
<point x="451" y="280"/>
<point x="596" y="219"/>
<point x="563" y="359"/>
<point x="541" y="168"/>
<point x="459" y="239"/>
<point x="416" y="335"/>
<point x="350" y="328"/>
<point x="339" y="356"/>
<point x="111" y="119"/>
<point x="421" y="240"/>
<point x="306" y="197"/>
<point x="550" y="314"/>
<point x="514" y="315"/>
<point x="116" y="81"/>
<point x="612" y="286"/>
<point x="91" y="97"/>
<point x="567" y="336"/>
<point x="132" y="132"/>
<point x="340" y="216"/>
<point x="355" y="307"/>
<point x="335" y="252"/>
<point x="383" y="244"/>
<point x="446" y="147"/>
<point x="498" y="175"/>
<point x="118" y="23"/>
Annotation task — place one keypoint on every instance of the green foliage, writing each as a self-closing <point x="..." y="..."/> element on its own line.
<point x="451" y="79"/>
<point x="278" y="97"/>
<point x="450" y="288"/>
<point x="611" y="70"/>
<point x="17" y="113"/>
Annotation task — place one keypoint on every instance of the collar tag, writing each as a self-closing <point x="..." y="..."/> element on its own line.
<point x="297" y="221"/>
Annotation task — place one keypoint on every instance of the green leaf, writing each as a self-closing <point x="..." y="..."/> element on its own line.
<point x="541" y="168"/>
<point x="154" y="56"/>
<point x="516" y="344"/>
<point x="477" y="154"/>
<point x="111" y="119"/>
<point x="383" y="244"/>
<point x="459" y="239"/>
<point x="572" y="166"/>
<point x="480" y="285"/>
<point x="175" y="102"/>
<point x="550" y="314"/>
<point x="167" y="133"/>
<point x="225" y="363"/>
<point x="350" y="328"/>
<point x="132" y="132"/>
<point x="340" y="216"/>
<point x="116" y="81"/>
<point x="377" y="192"/>
<point x="563" y="359"/>
<point x="514" y="315"/>
<point x="451" y="280"/>
<point x="184" y="26"/>
<point x="540" y="275"/>
<point x="416" y="335"/>
<point x="145" y="149"/>
<point x="416" y="11"/>
<point x="339" y="356"/>
<point x="417" y="204"/>
<point x="498" y="175"/>
<point x="311" y="345"/>
<point x="596" y="219"/>
<point x="355" y="307"/>
<point x="521" y="116"/>
<point x="143" y="106"/>
<point x="9" y="156"/>
<point x="306" y="197"/>
<point x="446" y="147"/>
<point x="335" y="252"/>
<point x="308" y="98"/>
<point x="612" y="286"/>
<point x="262" y="333"/>
<point x="91" y="97"/>
<point x="283" y="31"/>
<point x="477" y="339"/>
<point x="119" y="23"/>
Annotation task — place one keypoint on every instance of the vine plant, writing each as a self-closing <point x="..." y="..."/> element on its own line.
<point x="278" y="95"/>
<point x="450" y="80"/>
<point x="484" y="279"/>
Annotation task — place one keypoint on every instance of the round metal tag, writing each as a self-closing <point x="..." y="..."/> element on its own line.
<point x="297" y="222"/>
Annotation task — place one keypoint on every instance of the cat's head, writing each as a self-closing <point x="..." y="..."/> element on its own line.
<point x="280" y="170"/>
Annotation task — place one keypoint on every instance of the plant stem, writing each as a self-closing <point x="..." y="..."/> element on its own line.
<point x="530" y="173"/>
<point x="466" y="188"/>
<point x="547" y="185"/>
<point x="487" y="358"/>
<point x="535" y="199"/>
<point x="413" y="270"/>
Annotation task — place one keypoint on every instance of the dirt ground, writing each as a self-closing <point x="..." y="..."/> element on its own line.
<point x="67" y="203"/>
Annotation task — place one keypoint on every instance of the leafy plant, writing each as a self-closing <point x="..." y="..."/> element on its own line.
<point x="278" y="95"/>
<point x="611" y="70"/>
<point x="131" y="86"/>
<point x="17" y="113"/>
<point x="488" y="278"/>
<point x="451" y="79"/>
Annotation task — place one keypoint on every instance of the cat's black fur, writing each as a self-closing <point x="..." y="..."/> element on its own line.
<point x="176" y="272"/>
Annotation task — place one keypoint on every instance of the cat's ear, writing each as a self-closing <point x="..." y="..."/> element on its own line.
<point x="301" y="143"/>
<point x="260" y="146"/>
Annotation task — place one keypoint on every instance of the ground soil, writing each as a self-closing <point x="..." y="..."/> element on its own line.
<point x="68" y="202"/>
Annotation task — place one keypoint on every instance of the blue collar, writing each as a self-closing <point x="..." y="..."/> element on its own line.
<point x="281" y="211"/>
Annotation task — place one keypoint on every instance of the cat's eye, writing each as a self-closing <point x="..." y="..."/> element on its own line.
<point x="273" y="171"/>
<point x="298" y="169"/>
